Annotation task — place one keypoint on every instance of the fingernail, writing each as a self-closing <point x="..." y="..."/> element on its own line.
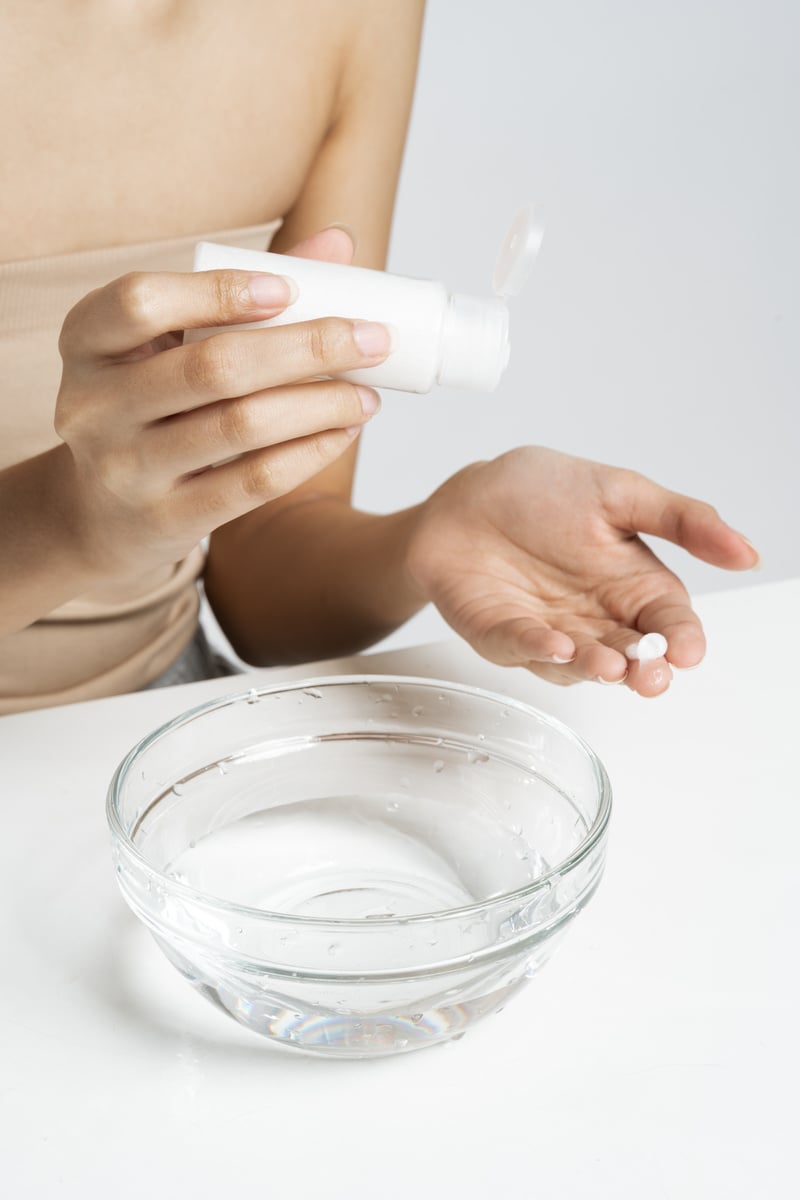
<point x="272" y="291"/>
<point x="373" y="340"/>
<point x="353" y="430"/>
<point x="370" y="400"/>
<point x="757" y="565"/>
<point x="554" y="658"/>
<point x="609" y="682"/>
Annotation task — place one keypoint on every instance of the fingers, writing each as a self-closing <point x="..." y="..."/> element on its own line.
<point x="141" y="306"/>
<point x="239" y="363"/>
<point x="223" y="493"/>
<point x="574" y="656"/>
<point x="640" y="506"/>
<point x="521" y="640"/>
<point x="607" y="660"/>
<point x="215" y="432"/>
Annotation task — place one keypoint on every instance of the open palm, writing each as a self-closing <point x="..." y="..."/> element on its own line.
<point x="534" y="558"/>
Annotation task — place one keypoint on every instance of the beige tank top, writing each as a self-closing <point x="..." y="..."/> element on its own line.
<point x="121" y="638"/>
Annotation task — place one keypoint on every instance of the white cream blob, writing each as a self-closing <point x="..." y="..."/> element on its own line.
<point x="651" y="646"/>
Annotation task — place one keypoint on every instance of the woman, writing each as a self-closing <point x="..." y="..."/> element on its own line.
<point x="132" y="130"/>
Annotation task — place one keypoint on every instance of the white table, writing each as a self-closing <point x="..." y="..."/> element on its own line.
<point x="657" y="1056"/>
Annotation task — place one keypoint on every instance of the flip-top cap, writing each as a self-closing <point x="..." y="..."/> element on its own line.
<point x="517" y="254"/>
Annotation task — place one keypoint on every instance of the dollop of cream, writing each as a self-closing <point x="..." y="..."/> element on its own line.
<point x="651" y="646"/>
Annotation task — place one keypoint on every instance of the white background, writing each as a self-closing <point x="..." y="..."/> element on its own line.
<point x="659" y="142"/>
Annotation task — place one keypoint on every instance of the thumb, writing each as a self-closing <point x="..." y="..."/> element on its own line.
<point x="336" y="244"/>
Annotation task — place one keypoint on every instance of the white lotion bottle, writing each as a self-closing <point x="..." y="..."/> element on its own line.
<point x="438" y="337"/>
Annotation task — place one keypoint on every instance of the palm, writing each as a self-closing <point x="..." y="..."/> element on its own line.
<point x="534" y="558"/>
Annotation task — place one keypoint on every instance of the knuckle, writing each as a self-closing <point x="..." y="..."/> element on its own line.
<point x="68" y="330"/>
<point x="136" y="296"/>
<point x="209" y="365"/>
<point x="326" y="447"/>
<point x="229" y="293"/>
<point x="65" y="418"/>
<point x="260" y="479"/>
<point x="237" y="424"/>
<point x="74" y="418"/>
<point x="69" y="337"/>
<point x="346" y="401"/>
<point x="325" y="340"/>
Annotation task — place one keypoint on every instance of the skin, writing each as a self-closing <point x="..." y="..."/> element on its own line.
<point x="297" y="111"/>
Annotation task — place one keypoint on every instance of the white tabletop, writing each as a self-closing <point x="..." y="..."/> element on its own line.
<point x="656" y="1056"/>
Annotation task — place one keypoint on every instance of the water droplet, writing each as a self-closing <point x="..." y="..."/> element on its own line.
<point x="416" y="1018"/>
<point x="314" y="693"/>
<point x="333" y="948"/>
<point x="418" y="711"/>
<point x="239" y="929"/>
<point x="223" y="770"/>
<point x="481" y="737"/>
<point x="392" y="805"/>
<point x="192" y="845"/>
<point x="252" y="696"/>
<point x="474" y="757"/>
<point x="433" y="941"/>
<point x="438" y="766"/>
<point x="506" y="712"/>
<point x="178" y="788"/>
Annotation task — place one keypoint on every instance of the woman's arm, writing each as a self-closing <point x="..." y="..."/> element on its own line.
<point x="287" y="582"/>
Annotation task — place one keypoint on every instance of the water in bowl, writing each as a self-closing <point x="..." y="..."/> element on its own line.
<point x="357" y="857"/>
<point x="431" y="829"/>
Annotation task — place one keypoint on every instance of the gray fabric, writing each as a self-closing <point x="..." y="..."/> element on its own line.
<point x="198" y="661"/>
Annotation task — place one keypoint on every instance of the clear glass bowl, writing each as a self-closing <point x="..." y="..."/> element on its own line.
<point x="358" y="866"/>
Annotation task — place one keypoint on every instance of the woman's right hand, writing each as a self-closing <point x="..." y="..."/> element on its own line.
<point x="144" y="419"/>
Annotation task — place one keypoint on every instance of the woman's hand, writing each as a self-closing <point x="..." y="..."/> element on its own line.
<point x="165" y="442"/>
<point x="534" y="559"/>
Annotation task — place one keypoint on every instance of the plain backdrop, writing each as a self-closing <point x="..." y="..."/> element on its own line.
<point x="659" y="143"/>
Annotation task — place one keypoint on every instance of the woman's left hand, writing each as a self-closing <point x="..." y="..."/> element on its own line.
<point x="535" y="559"/>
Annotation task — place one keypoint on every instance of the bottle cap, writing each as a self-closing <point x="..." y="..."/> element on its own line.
<point x="517" y="254"/>
<point x="474" y="343"/>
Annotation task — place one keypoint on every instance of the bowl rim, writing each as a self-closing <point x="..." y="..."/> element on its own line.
<point x="218" y="903"/>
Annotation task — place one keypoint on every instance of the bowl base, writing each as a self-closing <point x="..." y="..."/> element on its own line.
<point x="356" y="1035"/>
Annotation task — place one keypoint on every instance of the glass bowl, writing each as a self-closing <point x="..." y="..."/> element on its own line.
<point x="358" y="866"/>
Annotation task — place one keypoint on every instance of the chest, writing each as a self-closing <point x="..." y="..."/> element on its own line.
<point x="137" y="129"/>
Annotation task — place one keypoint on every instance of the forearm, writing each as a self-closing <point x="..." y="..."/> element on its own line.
<point x="41" y="563"/>
<point x="315" y="579"/>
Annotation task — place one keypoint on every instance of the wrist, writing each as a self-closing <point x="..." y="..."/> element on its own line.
<point x="65" y="520"/>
